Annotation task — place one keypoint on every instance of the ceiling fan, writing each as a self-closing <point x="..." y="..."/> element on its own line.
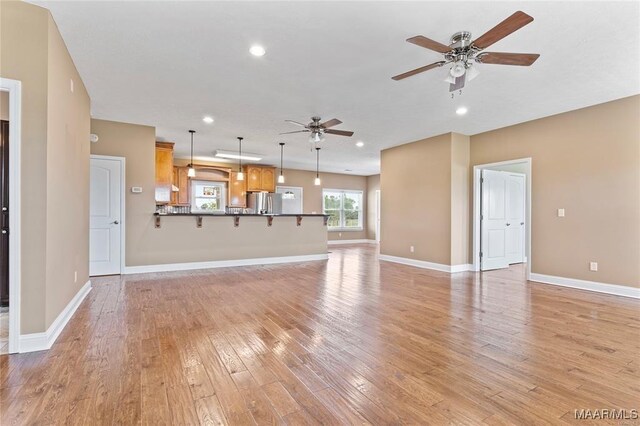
<point x="462" y="52"/>
<point x="318" y="129"/>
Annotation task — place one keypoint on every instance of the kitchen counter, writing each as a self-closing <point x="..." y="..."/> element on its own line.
<point x="242" y="214"/>
<point x="182" y="241"/>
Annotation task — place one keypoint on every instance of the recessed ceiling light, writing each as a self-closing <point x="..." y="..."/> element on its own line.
<point x="359" y="144"/>
<point x="208" y="119"/>
<point x="461" y="110"/>
<point x="257" y="50"/>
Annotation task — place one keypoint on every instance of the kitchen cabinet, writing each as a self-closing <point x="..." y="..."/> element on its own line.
<point x="182" y="197"/>
<point x="237" y="193"/>
<point x="260" y="178"/>
<point x="164" y="172"/>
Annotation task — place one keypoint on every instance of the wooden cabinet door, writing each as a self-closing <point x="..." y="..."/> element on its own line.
<point x="184" y="189"/>
<point x="268" y="182"/>
<point x="237" y="193"/>
<point x="164" y="171"/>
<point x="175" y="180"/>
<point x="254" y="178"/>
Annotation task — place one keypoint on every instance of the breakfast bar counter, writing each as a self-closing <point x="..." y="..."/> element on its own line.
<point x="181" y="241"/>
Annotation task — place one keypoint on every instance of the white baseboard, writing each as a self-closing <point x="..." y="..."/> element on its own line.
<point x="426" y="265"/>
<point x="362" y="241"/>
<point x="169" y="267"/>
<point x="43" y="341"/>
<point x="615" y="289"/>
<point x="461" y="268"/>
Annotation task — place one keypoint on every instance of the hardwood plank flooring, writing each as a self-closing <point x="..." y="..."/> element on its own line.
<point x="348" y="341"/>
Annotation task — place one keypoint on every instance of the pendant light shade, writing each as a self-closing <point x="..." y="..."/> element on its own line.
<point x="316" y="181"/>
<point x="281" y="177"/>
<point x="240" y="175"/>
<point x="192" y="171"/>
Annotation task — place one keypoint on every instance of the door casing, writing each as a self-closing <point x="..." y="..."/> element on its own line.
<point x="477" y="170"/>
<point x="14" y="87"/>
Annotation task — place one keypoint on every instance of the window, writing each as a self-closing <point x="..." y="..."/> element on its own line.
<point x="344" y="208"/>
<point x="208" y="197"/>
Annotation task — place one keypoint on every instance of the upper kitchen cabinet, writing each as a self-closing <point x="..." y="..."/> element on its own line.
<point x="237" y="193"/>
<point x="164" y="171"/>
<point x="260" y="178"/>
<point x="181" y="197"/>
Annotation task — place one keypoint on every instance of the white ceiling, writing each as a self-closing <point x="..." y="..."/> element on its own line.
<point x="167" y="64"/>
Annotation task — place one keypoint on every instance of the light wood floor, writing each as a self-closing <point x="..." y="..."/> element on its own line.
<point x="346" y="341"/>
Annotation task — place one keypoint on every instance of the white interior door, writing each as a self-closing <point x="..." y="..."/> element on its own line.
<point x="291" y="199"/>
<point x="378" y="215"/>
<point x="493" y="220"/>
<point x="515" y="233"/>
<point x="104" y="221"/>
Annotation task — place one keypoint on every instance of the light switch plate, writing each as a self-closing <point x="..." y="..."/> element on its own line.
<point x="136" y="189"/>
<point x="560" y="212"/>
<point x="593" y="266"/>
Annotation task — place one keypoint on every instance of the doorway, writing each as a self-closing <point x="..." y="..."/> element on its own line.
<point x="106" y="215"/>
<point x="4" y="222"/>
<point x="378" y="216"/>
<point x="502" y="215"/>
<point x="10" y="114"/>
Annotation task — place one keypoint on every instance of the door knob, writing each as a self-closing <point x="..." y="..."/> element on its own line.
<point x="115" y="222"/>
<point x="4" y="209"/>
<point x="508" y="224"/>
<point x="521" y="223"/>
<point x="4" y="231"/>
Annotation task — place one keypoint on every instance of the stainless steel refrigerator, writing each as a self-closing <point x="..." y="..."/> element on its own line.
<point x="265" y="202"/>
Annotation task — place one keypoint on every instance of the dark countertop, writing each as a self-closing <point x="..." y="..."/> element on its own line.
<point x="240" y="214"/>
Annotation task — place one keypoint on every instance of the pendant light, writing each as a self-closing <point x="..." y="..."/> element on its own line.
<point x="281" y="177"/>
<point x="192" y="171"/>
<point x="240" y="175"/>
<point x="316" y="182"/>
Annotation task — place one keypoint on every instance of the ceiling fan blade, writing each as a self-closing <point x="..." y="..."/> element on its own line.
<point x="503" y="29"/>
<point x="418" y="70"/>
<point x="459" y="84"/>
<point x="295" y="131"/>
<point x="339" y="132"/>
<point x="427" y="43"/>
<point x="296" y="123"/>
<point x="331" y="123"/>
<point x="522" y="59"/>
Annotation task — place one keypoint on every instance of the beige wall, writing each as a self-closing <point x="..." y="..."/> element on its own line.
<point x="54" y="127"/>
<point x="4" y="105"/>
<point x="68" y="116"/>
<point x="313" y="195"/>
<point x="585" y="161"/>
<point x="588" y="162"/>
<point x="460" y="198"/>
<point x="137" y="144"/>
<point x="415" y="182"/>
<point x="373" y="185"/>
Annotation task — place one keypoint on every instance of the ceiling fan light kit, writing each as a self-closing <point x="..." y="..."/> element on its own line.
<point x="318" y="130"/>
<point x="462" y="52"/>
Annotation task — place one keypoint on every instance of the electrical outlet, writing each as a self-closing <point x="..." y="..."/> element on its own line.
<point x="560" y="212"/>
<point x="340" y="234"/>
<point x="75" y="276"/>
<point x="593" y="266"/>
<point x="411" y="249"/>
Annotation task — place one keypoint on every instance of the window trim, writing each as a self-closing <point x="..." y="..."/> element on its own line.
<point x="342" y="228"/>
<point x="223" y="196"/>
